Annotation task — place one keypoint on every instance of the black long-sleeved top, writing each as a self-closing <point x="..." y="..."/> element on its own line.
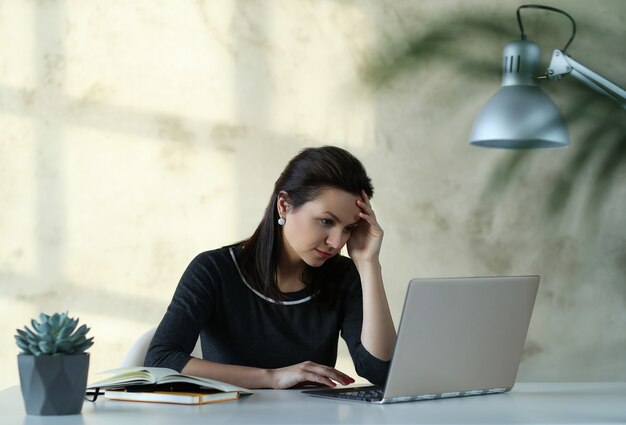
<point x="239" y="326"/>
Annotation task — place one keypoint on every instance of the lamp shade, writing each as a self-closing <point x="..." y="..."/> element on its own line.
<point x="520" y="115"/>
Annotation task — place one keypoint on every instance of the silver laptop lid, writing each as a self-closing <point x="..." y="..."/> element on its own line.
<point x="460" y="336"/>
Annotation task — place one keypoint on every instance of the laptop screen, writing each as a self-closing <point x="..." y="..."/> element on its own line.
<point x="461" y="335"/>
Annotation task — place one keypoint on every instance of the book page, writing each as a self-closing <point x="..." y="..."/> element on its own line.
<point x="124" y="377"/>
<point x="133" y="376"/>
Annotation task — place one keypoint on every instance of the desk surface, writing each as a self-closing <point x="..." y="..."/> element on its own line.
<point x="562" y="403"/>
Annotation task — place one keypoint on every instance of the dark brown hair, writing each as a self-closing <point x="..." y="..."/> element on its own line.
<point x="304" y="178"/>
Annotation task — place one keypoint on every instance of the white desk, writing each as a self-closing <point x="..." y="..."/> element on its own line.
<point x="585" y="403"/>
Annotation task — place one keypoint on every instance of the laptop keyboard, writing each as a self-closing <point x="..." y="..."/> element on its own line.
<point x="370" y="394"/>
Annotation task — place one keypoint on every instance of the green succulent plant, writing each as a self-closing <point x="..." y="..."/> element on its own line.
<point x="53" y="335"/>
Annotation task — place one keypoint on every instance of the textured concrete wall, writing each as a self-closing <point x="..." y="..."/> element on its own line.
<point x="136" y="134"/>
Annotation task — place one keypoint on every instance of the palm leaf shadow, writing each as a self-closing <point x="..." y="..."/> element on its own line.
<point x="441" y="43"/>
<point x="602" y="148"/>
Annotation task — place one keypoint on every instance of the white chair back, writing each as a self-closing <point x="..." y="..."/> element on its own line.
<point x="137" y="352"/>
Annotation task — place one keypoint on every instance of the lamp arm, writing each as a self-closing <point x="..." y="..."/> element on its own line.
<point x="562" y="64"/>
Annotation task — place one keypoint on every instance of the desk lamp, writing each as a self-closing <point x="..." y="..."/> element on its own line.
<point x="521" y="115"/>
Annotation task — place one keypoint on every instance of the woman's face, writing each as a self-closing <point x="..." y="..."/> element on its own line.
<point x="318" y="229"/>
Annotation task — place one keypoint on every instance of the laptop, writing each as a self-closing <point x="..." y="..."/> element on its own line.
<point x="457" y="337"/>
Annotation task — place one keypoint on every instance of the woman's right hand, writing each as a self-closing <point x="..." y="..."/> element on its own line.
<point x="307" y="373"/>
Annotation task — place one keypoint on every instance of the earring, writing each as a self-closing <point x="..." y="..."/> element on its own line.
<point x="281" y="221"/>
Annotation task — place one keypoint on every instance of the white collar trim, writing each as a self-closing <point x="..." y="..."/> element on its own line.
<point x="260" y="295"/>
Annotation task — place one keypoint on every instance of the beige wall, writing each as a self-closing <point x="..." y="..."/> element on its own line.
<point x="136" y="134"/>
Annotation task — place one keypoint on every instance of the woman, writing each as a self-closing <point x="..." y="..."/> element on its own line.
<point x="270" y="309"/>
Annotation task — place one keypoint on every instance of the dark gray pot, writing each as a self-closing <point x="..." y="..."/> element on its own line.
<point x="53" y="385"/>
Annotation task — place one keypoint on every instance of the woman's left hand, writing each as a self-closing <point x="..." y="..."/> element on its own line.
<point x="365" y="242"/>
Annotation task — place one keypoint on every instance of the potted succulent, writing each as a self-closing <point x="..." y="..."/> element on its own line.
<point x="53" y="365"/>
